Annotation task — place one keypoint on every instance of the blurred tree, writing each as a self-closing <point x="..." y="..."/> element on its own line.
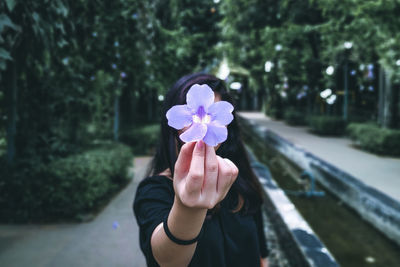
<point x="279" y="32"/>
<point x="80" y="69"/>
<point x="301" y="39"/>
<point x="74" y="71"/>
<point x="244" y="40"/>
<point x="371" y="27"/>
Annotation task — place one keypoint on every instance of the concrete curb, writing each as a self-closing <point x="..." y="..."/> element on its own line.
<point x="298" y="241"/>
<point x="379" y="209"/>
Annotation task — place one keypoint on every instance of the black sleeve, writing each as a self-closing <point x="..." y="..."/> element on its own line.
<point x="153" y="201"/>
<point x="261" y="235"/>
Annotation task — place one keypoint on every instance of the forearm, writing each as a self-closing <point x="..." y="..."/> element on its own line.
<point x="184" y="223"/>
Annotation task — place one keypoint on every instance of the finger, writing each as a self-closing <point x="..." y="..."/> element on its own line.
<point x="228" y="175"/>
<point x="183" y="162"/>
<point x="222" y="172"/>
<point x="234" y="169"/>
<point x="227" y="172"/>
<point x="195" y="176"/>
<point x="211" y="172"/>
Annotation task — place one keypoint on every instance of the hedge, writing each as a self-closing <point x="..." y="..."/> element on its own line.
<point x="274" y="113"/>
<point x="375" y="139"/>
<point x="327" y="125"/>
<point x="294" y="117"/>
<point x="142" y="139"/>
<point x="67" y="188"/>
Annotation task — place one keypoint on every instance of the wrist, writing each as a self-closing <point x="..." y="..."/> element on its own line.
<point x="184" y="222"/>
<point x="186" y="209"/>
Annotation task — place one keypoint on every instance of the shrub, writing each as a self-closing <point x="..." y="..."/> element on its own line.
<point x="275" y="113"/>
<point x="66" y="188"/>
<point x="294" y="117"/>
<point x="20" y="186"/>
<point x="375" y="139"/>
<point x="327" y="125"/>
<point x="3" y="142"/>
<point x="143" y="139"/>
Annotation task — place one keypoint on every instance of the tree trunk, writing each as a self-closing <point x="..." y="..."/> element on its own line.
<point x="116" y="117"/>
<point x="11" y="109"/>
<point x="259" y="93"/>
<point x="396" y="105"/>
<point x="385" y="108"/>
<point x="149" y="106"/>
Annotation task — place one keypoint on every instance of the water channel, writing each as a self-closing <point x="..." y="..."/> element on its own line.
<point x="351" y="240"/>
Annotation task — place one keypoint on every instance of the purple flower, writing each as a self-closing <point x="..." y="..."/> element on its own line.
<point x="206" y="120"/>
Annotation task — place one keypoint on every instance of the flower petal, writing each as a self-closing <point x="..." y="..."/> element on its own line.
<point x="195" y="132"/>
<point x="215" y="134"/>
<point x="179" y="116"/>
<point x="199" y="95"/>
<point x="221" y="112"/>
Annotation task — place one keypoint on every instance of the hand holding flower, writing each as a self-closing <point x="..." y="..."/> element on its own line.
<point x="202" y="179"/>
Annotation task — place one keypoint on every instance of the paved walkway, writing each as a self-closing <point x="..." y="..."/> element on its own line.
<point x="110" y="240"/>
<point x="382" y="173"/>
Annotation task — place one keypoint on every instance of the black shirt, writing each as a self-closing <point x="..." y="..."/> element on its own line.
<point x="228" y="239"/>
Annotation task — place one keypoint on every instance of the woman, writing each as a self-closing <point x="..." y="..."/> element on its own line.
<point x="201" y="206"/>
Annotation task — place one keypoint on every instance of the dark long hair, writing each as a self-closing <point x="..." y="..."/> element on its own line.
<point x="246" y="187"/>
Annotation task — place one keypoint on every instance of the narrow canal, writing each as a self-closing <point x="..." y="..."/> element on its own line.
<point x="351" y="240"/>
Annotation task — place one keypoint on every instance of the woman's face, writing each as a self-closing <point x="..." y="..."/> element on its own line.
<point x="217" y="98"/>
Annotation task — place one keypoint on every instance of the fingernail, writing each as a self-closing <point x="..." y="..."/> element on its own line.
<point x="200" y="144"/>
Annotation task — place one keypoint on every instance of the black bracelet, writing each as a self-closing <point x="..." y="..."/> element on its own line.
<point x="177" y="240"/>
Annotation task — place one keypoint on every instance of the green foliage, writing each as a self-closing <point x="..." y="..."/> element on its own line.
<point x="275" y="113"/>
<point x="76" y="68"/>
<point x="69" y="57"/>
<point x="2" y="142"/>
<point x="327" y="125"/>
<point x="6" y="25"/>
<point x="66" y="188"/>
<point x="285" y="37"/>
<point x="371" y="25"/>
<point x="142" y="139"/>
<point x="302" y="38"/>
<point x="375" y="139"/>
<point x="64" y="60"/>
<point x="294" y="117"/>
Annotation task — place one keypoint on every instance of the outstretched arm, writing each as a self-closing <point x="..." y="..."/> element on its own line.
<point x="201" y="180"/>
